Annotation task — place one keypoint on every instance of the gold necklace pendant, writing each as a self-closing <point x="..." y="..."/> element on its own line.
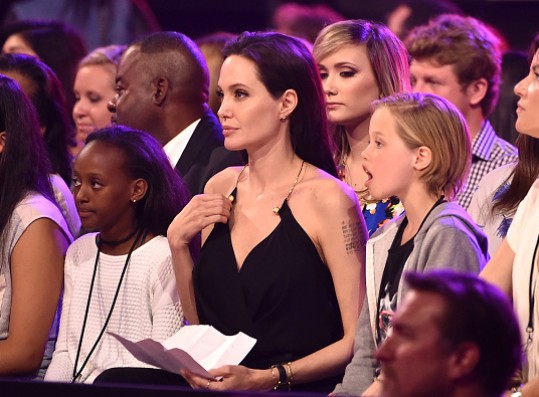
<point x="231" y="196"/>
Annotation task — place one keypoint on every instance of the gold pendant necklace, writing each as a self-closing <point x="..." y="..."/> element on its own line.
<point x="276" y="209"/>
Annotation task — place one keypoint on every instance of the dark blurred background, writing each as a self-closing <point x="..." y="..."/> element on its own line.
<point x="517" y="20"/>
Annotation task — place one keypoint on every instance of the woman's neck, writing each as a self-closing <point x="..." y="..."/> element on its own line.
<point x="272" y="171"/>
<point x="272" y="165"/>
<point x="352" y="161"/>
<point x="358" y="140"/>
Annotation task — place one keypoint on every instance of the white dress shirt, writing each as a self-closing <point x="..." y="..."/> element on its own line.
<point x="175" y="147"/>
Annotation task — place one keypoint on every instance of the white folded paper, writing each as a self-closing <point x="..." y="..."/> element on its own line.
<point x="194" y="348"/>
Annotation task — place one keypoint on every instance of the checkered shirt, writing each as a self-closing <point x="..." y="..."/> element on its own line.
<point x="488" y="152"/>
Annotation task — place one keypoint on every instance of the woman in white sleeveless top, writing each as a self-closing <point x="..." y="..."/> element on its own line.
<point x="33" y="236"/>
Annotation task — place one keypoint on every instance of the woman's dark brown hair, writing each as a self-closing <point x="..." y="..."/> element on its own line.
<point x="527" y="168"/>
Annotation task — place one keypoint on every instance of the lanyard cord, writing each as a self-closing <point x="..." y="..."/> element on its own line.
<point x="531" y="295"/>
<point x="76" y="373"/>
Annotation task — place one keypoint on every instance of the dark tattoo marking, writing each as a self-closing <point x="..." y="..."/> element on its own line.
<point x="353" y="239"/>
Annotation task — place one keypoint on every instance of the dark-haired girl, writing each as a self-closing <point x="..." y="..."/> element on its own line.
<point x="119" y="279"/>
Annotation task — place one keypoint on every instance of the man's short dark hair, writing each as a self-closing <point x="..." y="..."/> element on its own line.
<point x="176" y="56"/>
<point x="476" y="312"/>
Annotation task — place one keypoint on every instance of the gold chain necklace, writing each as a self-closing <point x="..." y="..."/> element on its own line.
<point x="276" y="209"/>
<point x="345" y="175"/>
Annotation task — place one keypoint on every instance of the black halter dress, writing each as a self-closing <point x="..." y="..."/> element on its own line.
<point x="283" y="295"/>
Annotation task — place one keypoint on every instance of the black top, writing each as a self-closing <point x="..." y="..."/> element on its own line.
<point x="283" y="295"/>
<point x="397" y="255"/>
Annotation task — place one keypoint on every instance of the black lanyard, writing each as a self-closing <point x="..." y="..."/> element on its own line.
<point x="531" y="296"/>
<point x="78" y="372"/>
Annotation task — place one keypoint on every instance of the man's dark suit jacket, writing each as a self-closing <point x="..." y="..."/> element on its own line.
<point x="204" y="156"/>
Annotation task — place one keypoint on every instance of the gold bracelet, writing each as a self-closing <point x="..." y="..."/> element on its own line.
<point x="290" y="375"/>
<point x="273" y="376"/>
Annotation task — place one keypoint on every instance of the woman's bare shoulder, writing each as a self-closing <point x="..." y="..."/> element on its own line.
<point x="326" y="192"/>
<point x="326" y="208"/>
<point x="224" y="181"/>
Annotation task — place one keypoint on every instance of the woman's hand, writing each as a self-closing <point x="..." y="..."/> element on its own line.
<point x="232" y="377"/>
<point x="203" y="210"/>
<point x="238" y="377"/>
<point x="195" y="381"/>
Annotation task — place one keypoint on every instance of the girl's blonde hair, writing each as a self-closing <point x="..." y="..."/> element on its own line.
<point x="431" y="121"/>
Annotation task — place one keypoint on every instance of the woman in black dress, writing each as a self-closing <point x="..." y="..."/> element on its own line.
<point x="283" y="240"/>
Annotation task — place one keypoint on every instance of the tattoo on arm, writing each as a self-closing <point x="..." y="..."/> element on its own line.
<point x="353" y="237"/>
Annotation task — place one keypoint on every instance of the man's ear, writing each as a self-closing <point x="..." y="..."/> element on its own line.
<point x="463" y="360"/>
<point x="476" y="91"/>
<point x="2" y="140"/>
<point x="289" y="101"/>
<point x="160" y="87"/>
<point x="423" y="158"/>
<point x="139" y="189"/>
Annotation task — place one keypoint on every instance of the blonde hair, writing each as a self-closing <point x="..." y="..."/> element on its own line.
<point x="386" y="53"/>
<point x="431" y="121"/>
<point x="211" y="47"/>
<point x="108" y="55"/>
